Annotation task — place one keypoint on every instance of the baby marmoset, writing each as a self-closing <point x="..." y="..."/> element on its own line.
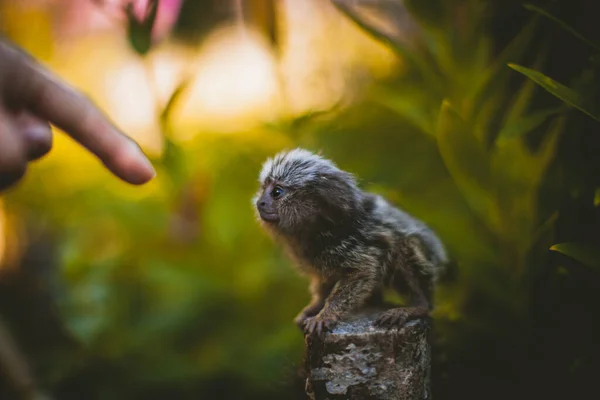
<point x="351" y="243"/>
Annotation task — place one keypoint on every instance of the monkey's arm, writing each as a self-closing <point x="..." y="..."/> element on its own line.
<point x="319" y="289"/>
<point x="349" y="293"/>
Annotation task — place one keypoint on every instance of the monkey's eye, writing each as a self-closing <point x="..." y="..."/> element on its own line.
<point x="277" y="192"/>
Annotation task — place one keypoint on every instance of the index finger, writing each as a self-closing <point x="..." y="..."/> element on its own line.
<point x="44" y="94"/>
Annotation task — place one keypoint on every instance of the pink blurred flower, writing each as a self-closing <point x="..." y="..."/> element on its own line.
<point x="166" y="16"/>
<point x="76" y="17"/>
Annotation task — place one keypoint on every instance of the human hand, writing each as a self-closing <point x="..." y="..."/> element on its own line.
<point x="31" y="99"/>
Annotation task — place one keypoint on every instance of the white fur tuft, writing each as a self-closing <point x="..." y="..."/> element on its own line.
<point x="278" y="166"/>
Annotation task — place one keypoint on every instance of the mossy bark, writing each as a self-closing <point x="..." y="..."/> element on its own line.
<point x="361" y="361"/>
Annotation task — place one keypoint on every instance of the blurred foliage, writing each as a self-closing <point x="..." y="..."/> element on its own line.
<point x="459" y="101"/>
<point x="587" y="255"/>
<point x="172" y="290"/>
<point x="140" y="30"/>
<point x="576" y="98"/>
<point x="480" y="165"/>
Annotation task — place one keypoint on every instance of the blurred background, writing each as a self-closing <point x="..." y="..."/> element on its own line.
<point x="479" y="117"/>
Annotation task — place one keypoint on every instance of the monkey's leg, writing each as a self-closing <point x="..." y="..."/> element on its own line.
<point x="319" y="289"/>
<point x="349" y="293"/>
<point x="415" y="277"/>
<point x="418" y="308"/>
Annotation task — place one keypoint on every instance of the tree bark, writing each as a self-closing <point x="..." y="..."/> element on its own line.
<point x="360" y="361"/>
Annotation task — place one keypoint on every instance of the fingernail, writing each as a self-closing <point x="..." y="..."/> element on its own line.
<point x="140" y="168"/>
<point x="149" y="172"/>
<point x="148" y="165"/>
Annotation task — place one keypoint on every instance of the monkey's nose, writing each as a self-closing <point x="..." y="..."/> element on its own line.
<point x="262" y="203"/>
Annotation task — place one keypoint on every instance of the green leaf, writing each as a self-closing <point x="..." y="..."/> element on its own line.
<point x="488" y="98"/>
<point x="584" y="253"/>
<point x="409" y="104"/>
<point x="597" y="198"/>
<point x="521" y="101"/>
<point x="563" y="24"/>
<point x="468" y="164"/>
<point x="559" y="90"/>
<point x="460" y="148"/>
<point x="173" y="160"/>
<point x="518" y="173"/>
<point x="140" y="32"/>
<point x="526" y="124"/>
<point x="495" y="76"/>
<point x="172" y="102"/>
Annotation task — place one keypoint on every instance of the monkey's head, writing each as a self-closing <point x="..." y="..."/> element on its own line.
<point x="301" y="190"/>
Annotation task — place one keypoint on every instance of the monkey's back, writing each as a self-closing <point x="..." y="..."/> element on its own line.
<point x="403" y="225"/>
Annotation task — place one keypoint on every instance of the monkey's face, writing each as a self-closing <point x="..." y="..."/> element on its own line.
<point x="301" y="190"/>
<point x="267" y="204"/>
<point x="285" y="208"/>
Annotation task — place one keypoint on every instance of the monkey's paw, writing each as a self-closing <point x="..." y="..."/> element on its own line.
<point x="300" y="320"/>
<point x="318" y="325"/>
<point x="397" y="317"/>
<point x="309" y="311"/>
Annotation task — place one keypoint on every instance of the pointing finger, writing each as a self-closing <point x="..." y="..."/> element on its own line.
<point x="36" y="89"/>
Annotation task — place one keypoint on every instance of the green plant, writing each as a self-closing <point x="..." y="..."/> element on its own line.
<point x="578" y="97"/>
<point x="458" y="95"/>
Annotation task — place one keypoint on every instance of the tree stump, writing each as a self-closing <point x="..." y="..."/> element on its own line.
<point x="358" y="360"/>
